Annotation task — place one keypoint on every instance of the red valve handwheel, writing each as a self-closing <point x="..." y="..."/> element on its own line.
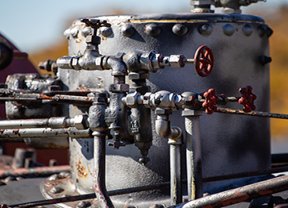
<point x="203" y="61"/>
<point x="247" y="99"/>
<point x="210" y="101"/>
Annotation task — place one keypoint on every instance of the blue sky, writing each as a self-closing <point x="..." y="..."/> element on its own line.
<point x="32" y="24"/>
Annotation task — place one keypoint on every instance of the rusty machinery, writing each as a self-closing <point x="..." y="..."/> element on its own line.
<point x="138" y="87"/>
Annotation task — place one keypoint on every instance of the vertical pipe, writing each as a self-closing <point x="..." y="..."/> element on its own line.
<point x="193" y="154"/>
<point x="175" y="171"/>
<point x="103" y="199"/>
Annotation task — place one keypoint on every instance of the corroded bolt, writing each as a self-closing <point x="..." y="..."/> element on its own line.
<point x="56" y="190"/>
<point x="128" y="30"/>
<point x="152" y="29"/>
<point x="180" y="29"/>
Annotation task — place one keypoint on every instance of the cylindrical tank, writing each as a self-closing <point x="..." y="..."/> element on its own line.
<point x="230" y="144"/>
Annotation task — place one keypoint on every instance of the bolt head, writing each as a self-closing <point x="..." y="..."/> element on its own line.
<point x="128" y="30"/>
<point x="247" y="29"/>
<point x="152" y="30"/>
<point x="205" y="29"/>
<point x="228" y="29"/>
<point x="179" y="29"/>
<point x="106" y="31"/>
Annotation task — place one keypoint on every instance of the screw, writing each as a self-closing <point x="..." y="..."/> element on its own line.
<point x="152" y="29"/>
<point x="179" y="29"/>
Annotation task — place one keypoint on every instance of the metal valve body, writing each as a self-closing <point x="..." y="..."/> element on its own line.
<point x="230" y="145"/>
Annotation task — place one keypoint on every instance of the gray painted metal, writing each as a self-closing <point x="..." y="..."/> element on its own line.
<point x="243" y="142"/>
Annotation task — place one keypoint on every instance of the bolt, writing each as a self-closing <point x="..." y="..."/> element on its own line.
<point x="265" y="60"/>
<point x="128" y="30"/>
<point x="247" y="29"/>
<point x="106" y="31"/>
<point x="152" y="29"/>
<point x="179" y="29"/>
<point x="56" y="190"/>
<point x="83" y="204"/>
<point x="228" y="29"/>
<point x="205" y="29"/>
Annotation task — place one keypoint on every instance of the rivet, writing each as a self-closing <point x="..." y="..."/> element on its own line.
<point x="56" y="190"/>
<point x="228" y="29"/>
<point x="83" y="204"/>
<point x="180" y="29"/>
<point x="127" y="30"/>
<point x="152" y="29"/>
<point x="205" y="29"/>
<point x="105" y="31"/>
<point x="247" y="29"/>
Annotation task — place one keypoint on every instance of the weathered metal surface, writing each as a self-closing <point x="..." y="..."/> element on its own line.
<point x="245" y="193"/>
<point x="224" y="35"/>
<point x="33" y="172"/>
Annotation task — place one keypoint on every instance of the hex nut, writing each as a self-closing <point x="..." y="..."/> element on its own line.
<point x="177" y="61"/>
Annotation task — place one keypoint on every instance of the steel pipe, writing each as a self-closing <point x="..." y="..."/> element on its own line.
<point x="245" y="193"/>
<point x="6" y="134"/>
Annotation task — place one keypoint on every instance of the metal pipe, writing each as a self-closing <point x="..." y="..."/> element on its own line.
<point x="244" y="193"/>
<point x="33" y="172"/>
<point x="44" y="133"/>
<point x="193" y="153"/>
<point x="100" y="165"/>
<point x="53" y="122"/>
<point x="175" y="170"/>
<point x="252" y="113"/>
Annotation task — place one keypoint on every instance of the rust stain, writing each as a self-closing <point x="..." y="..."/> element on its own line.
<point x="81" y="170"/>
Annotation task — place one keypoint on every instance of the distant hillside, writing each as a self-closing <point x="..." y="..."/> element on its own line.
<point x="279" y="66"/>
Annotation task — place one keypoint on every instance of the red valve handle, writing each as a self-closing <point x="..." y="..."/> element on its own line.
<point x="210" y="101"/>
<point x="247" y="99"/>
<point x="203" y="61"/>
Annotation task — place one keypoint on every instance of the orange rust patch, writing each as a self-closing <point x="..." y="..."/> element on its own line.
<point x="81" y="170"/>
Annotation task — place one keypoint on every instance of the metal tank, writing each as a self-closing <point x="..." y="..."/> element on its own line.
<point x="230" y="144"/>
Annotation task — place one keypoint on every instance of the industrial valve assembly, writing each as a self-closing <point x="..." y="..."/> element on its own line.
<point x="157" y="110"/>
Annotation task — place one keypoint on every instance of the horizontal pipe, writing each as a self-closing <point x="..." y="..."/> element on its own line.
<point x="244" y="193"/>
<point x="90" y="196"/>
<point x="34" y="172"/>
<point x="53" y="122"/>
<point x="43" y="132"/>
